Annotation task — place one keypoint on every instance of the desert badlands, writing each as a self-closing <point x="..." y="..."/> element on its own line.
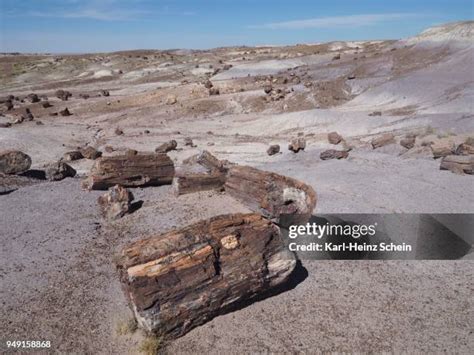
<point x="369" y="126"/>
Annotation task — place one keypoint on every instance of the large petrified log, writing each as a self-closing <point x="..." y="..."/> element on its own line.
<point x="130" y="171"/>
<point x="183" y="278"/>
<point x="460" y="164"/>
<point x="270" y="194"/>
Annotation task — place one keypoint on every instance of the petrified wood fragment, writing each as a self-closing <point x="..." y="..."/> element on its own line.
<point x="130" y="171"/>
<point x="334" y="138"/>
<point x="181" y="279"/>
<point x="333" y="154"/>
<point x="383" y="140"/>
<point x="442" y="148"/>
<point x="115" y="203"/>
<point x="270" y="194"/>
<point x="59" y="171"/>
<point x="460" y="164"/>
<point x="189" y="182"/>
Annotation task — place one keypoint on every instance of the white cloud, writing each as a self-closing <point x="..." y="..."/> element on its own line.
<point x="336" y="21"/>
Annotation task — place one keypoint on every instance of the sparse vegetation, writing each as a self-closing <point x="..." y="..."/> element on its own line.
<point x="151" y="345"/>
<point x="128" y="326"/>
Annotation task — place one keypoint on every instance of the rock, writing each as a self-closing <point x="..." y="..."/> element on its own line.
<point x="297" y="144"/>
<point x="130" y="171"/>
<point x="334" y="138"/>
<point x="376" y="113"/>
<point x="33" y="98"/>
<point x="464" y="149"/>
<point x="63" y="95"/>
<point x="131" y="152"/>
<point x="59" y="171"/>
<point x="208" y="84"/>
<point x="90" y="153"/>
<point x="27" y="116"/>
<point x="442" y="148"/>
<point x="179" y="280"/>
<point x="214" y="91"/>
<point x="118" y="131"/>
<point x="65" y="112"/>
<point x="46" y="104"/>
<point x="333" y="154"/>
<point x="146" y="131"/>
<point x="72" y="155"/>
<point x="166" y="147"/>
<point x="14" y="162"/>
<point x="336" y="57"/>
<point x="273" y="149"/>
<point x="84" y="96"/>
<point x="104" y="93"/>
<point x="408" y="142"/>
<point x="5" y="125"/>
<point x="9" y="105"/>
<point x="351" y="77"/>
<point x="227" y="66"/>
<point x="383" y="140"/>
<point x="39" y="123"/>
<point x="267" y="89"/>
<point x="171" y="100"/>
<point x="115" y="203"/>
<point x="108" y="149"/>
<point x="189" y="142"/>
<point x="459" y="164"/>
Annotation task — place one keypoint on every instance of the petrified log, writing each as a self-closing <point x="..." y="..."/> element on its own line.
<point x="115" y="203"/>
<point x="464" y="149"/>
<point x="334" y="138"/>
<point x="130" y="171"/>
<point x="270" y="194"/>
<point x="442" y="148"/>
<point x="181" y="279"/>
<point x="458" y="164"/>
<point x="59" y="171"/>
<point x="14" y="162"/>
<point x="185" y="183"/>
<point x="333" y="154"/>
<point x="384" y="139"/>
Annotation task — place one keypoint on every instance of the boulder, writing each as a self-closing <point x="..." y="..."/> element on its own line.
<point x="14" y="162"/>
<point x="166" y="147"/>
<point x="147" y="169"/>
<point x="90" y="153"/>
<point x="59" y="171"/>
<point x="334" y="138"/>
<point x="459" y="164"/>
<point x="333" y="154"/>
<point x="297" y="144"/>
<point x="179" y="280"/>
<point x="383" y="140"/>
<point x="273" y="149"/>
<point x="115" y="203"/>
<point x="104" y="93"/>
<point x="72" y="155"/>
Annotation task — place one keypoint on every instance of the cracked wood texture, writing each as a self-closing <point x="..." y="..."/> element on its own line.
<point x="183" y="278"/>
<point x="186" y="183"/>
<point x="130" y="171"/>
<point x="271" y="194"/>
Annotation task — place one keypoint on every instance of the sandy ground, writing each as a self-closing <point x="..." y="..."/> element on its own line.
<point x="58" y="281"/>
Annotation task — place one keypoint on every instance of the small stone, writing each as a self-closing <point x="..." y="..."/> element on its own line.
<point x="33" y="98"/>
<point x="442" y="148"/>
<point x="108" y="149"/>
<point x="408" y="143"/>
<point x="166" y="147"/>
<point x="334" y="138"/>
<point x="208" y="84"/>
<point x="376" y="113"/>
<point x="171" y="100"/>
<point x="14" y="162"/>
<point x="115" y="203"/>
<point x="104" y="93"/>
<point x="63" y="95"/>
<point x="297" y="144"/>
<point x="59" y="171"/>
<point x="273" y="149"/>
<point x="73" y="155"/>
<point x="333" y="154"/>
<point x="65" y="112"/>
<point x="118" y="131"/>
<point x="267" y="89"/>
<point x="214" y="91"/>
<point x="189" y="142"/>
<point x="131" y="152"/>
<point x="464" y="149"/>
<point x="90" y="153"/>
<point x="383" y="140"/>
<point x="46" y="104"/>
<point x="9" y="105"/>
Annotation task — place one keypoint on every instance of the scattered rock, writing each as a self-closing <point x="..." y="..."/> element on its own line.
<point x="171" y="100"/>
<point x="333" y="154"/>
<point x="131" y="152"/>
<point x="5" y="125"/>
<point x="33" y="98"/>
<point x="27" y="116"/>
<point x="208" y="84"/>
<point x="115" y="203"/>
<point x="214" y="91"/>
<point x="351" y="77"/>
<point x="65" y="112"/>
<point x="59" y="171"/>
<point x="118" y="131"/>
<point x="46" y="104"/>
<point x="90" y="153"/>
<point x="459" y="164"/>
<point x="336" y="57"/>
<point x="334" y="138"/>
<point x="146" y="131"/>
<point x="376" y="113"/>
<point x="14" y="162"/>
<point x="464" y="149"/>
<point x="9" y="105"/>
<point x="84" y="96"/>
<point x="297" y="144"/>
<point x="383" y="140"/>
<point x="167" y="147"/>
<point x="72" y="155"/>
<point x="108" y="149"/>
<point x="104" y="93"/>
<point x="189" y="142"/>
<point x="442" y="148"/>
<point x="63" y="95"/>
<point x="273" y="149"/>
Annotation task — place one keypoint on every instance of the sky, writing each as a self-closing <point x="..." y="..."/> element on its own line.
<point x="78" y="26"/>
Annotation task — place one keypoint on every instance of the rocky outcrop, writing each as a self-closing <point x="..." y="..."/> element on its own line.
<point x="115" y="203"/>
<point x="181" y="279"/>
<point x="146" y="169"/>
<point x="14" y="162"/>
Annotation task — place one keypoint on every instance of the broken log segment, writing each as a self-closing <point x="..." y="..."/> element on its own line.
<point x="270" y="194"/>
<point x="130" y="171"/>
<point x="185" y="183"/>
<point x="208" y="161"/>
<point x="181" y="279"/>
<point x="459" y="164"/>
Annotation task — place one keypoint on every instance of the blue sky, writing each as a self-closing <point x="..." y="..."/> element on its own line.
<point x="107" y="25"/>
